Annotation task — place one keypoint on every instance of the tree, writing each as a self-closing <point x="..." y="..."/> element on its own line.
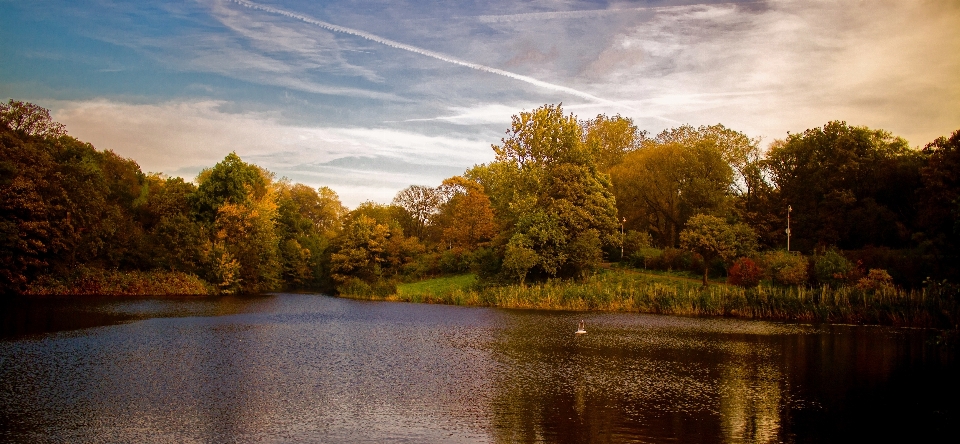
<point x="466" y="218"/>
<point x="421" y="203"/>
<point x="238" y="202"/>
<point x="848" y="186"/>
<point x="230" y="181"/>
<point x="679" y="173"/>
<point x="611" y="138"/>
<point x="547" y="192"/>
<point x="939" y="198"/>
<point x="30" y="119"/>
<point x="712" y="238"/>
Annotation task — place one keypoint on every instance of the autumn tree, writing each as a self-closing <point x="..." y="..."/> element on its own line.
<point x="420" y="203"/>
<point x="939" y="199"/>
<point x="610" y="139"/>
<point x="241" y="199"/>
<point x="679" y="173"/>
<point x="466" y="217"/>
<point x="29" y="119"/>
<point x="711" y="237"/>
<point x="308" y="220"/>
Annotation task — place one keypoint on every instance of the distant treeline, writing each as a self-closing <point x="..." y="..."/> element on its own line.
<point x="562" y="196"/>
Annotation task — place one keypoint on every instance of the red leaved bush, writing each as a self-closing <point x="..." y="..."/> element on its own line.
<point x="744" y="273"/>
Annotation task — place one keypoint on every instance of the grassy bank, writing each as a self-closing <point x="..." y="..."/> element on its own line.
<point x="627" y="291"/>
<point x="94" y="281"/>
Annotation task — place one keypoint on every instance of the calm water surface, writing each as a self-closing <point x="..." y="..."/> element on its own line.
<point x="307" y="368"/>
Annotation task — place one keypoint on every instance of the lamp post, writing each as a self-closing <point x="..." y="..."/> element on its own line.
<point x="789" y="209"/>
<point x="622" y="222"/>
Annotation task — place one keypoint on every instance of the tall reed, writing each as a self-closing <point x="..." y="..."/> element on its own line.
<point x="632" y="292"/>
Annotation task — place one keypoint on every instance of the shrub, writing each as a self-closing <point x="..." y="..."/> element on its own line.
<point x="876" y="279"/>
<point x="786" y="268"/>
<point x="744" y="273"/>
<point x="831" y="268"/>
<point x="452" y="262"/>
<point x="355" y="287"/>
<point x="635" y="241"/>
<point x="646" y="258"/>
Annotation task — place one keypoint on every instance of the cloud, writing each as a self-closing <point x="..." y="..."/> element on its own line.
<point x="180" y="138"/>
<point x="425" y="52"/>
<point x="786" y="66"/>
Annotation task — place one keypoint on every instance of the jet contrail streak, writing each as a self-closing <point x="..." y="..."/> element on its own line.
<point x="428" y="53"/>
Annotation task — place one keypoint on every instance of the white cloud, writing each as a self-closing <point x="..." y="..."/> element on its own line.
<point x="789" y="66"/>
<point x="180" y="138"/>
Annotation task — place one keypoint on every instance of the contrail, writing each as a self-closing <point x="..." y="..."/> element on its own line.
<point x="428" y="53"/>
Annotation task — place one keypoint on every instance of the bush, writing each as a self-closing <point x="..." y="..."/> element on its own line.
<point x="646" y="258"/>
<point x="635" y="241"/>
<point x="453" y="262"/>
<point x="831" y="268"/>
<point x="876" y="279"/>
<point x="786" y="268"/>
<point x="744" y="273"/>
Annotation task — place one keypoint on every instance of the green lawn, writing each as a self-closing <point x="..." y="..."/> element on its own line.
<point x="437" y="286"/>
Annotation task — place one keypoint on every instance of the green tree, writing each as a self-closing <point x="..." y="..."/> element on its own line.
<point x="549" y="195"/>
<point x="230" y="181"/>
<point x="848" y="186"/>
<point x="713" y="238"/>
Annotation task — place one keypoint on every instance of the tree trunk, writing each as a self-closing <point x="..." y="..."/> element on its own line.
<point x="706" y="268"/>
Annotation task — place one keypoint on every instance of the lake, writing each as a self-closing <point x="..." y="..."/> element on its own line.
<point x="312" y="368"/>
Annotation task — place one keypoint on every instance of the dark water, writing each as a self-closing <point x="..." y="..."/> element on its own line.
<point x="305" y="368"/>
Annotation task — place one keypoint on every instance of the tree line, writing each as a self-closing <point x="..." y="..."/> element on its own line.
<point x="561" y="196"/>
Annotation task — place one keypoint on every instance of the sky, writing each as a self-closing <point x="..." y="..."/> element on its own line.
<point x="369" y="97"/>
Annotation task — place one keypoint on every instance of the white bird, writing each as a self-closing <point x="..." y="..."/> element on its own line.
<point x="580" y="329"/>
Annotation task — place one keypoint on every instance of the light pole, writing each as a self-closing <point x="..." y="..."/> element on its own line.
<point x="622" y="222"/>
<point x="789" y="209"/>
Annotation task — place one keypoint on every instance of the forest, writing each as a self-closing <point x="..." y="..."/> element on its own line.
<point x="562" y="199"/>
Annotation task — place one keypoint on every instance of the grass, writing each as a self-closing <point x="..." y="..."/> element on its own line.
<point x="629" y="291"/>
<point x="85" y="281"/>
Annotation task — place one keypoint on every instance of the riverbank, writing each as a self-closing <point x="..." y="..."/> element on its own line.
<point x="631" y="291"/>
<point x="89" y="281"/>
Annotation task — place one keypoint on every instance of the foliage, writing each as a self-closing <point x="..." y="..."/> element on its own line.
<point x="680" y="173"/>
<point x="634" y="241"/>
<point x="99" y="282"/>
<point x="30" y="120"/>
<point x="466" y="220"/>
<point x="744" y="273"/>
<point x="939" y="202"/>
<point x="230" y="181"/>
<point x="831" y="268"/>
<point x="551" y="201"/>
<point x="875" y="280"/>
<point x="549" y="207"/>
<point x="420" y="203"/>
<point x="609" y="139"/>
<point x="785" y="268"/>
<point x="713" y="238"/>
<point x="848" y="186"/>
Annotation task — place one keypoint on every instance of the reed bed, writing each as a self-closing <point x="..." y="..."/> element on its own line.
<point x="632" y="292"/>
<point x="88" y="281"/>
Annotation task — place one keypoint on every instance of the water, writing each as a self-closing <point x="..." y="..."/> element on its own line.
<point x="307" y="368"/>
